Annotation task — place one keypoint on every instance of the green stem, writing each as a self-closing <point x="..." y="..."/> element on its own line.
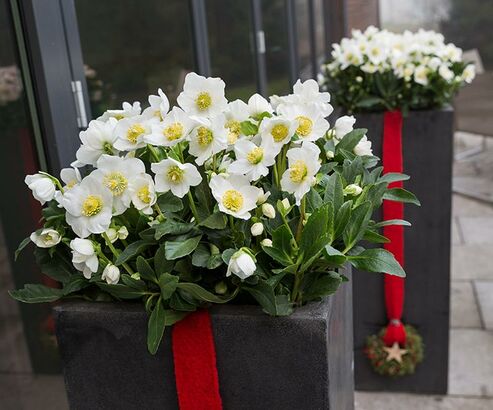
<point x="296" y="294"/>
<point x="153" y="152"/>
<point x="299" y="229"/>
<point x="193" y="207"/>
<point x="276" y="176"/>
<point x="158" y="210"/>
<point x="116" y="253"/>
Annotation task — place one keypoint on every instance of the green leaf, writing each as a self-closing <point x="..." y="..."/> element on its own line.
<point x="173" y="227"/>
<point x="342" y="218"/>
<point x="131" y="250"/>
<point x="265" y="296"/>
<point x="34" y="293"/>
<point x="133" y="283"/>
<point x="145" y="270"/>
<point x="21" y="246"/>
<point x="227" y="254"/>
<point x="121" y="291"/>
<point x="369" y="102"/>
<point x="313" y="200"/>
<point x="161" y="264"/>
<point x="177" y="302"/>
<point x="352" y="169"/>
<point x="75" y="283"/>
<point x="375" y="237"/>
<point x="377" y="260"/>
<point x="167" y="284"/>
<point x="198" y="292"/>
<point x="355" y="229"/>
<point x="55" y="266"/>
<point x="281" y="246"/>
<point x="334" y="191"/>
<point x="200" y="256"/>
<point x="155" y="327"/>
<point x="168" y="203"/>
<point x="215" y="221"/>
<point x="248" y="128"/>
<point x="392" y="222"/>
<point x="315" y="227"/>
<point x="334" y="257"/>
<point x="393" y="177"/>
<point x="178" y="249"/>
<point x="351" y="139"/>
<point x="325" y="285"/>
<point x="401" y="195"/>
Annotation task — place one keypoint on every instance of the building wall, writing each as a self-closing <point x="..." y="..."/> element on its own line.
<point x="361" y="14"/>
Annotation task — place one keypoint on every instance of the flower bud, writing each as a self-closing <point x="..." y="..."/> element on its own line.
<point x="257" y="229"/>
<point x="285" y="204"/>
<point x="266" y="242"/>
<point x="329" y="154"/>
<point x="353" y="189"/>
<point x="111" y="274"/>
<point x="220" y="288"/>
<point x="112" y="235"/>
<point x="122" y="233"/>
<point x="268" y="211"/>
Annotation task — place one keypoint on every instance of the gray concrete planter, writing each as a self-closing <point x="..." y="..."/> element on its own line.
<point x="303" y="361"/>
<point x="427" y="150"/>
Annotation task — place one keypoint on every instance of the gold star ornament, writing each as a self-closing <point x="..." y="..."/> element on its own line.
<point x="394" y="353"/>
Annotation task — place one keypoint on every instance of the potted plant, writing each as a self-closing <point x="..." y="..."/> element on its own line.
<point x="399" y="87"/>
<point x="207" y="204"/>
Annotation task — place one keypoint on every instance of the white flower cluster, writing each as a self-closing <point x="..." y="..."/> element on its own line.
<point x="410" y="56"/>
<point x="210" y="133"/>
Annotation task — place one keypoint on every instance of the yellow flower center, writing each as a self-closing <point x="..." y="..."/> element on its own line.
<point x="234" y="131"/>
<point x="279" y="132"/>
<point x="71" y="184"/>
<point x="134" y="132"/>
<point x="232" y="200"/>
<point x="173" y="131"/>
<point x="305" y="126"/>
<point x="48" y="237"/>
<point x="115" y="182"/>
<point x="255" y="155"/>
<point x="298" y="171"/>
<point x="144" y="195"/>
<point x="204" y="136"/>
<point x="175" y="174"/>
<point x="119" y="116"/>
<point x="158" y="114"/>
<point x="92" y="205"/>
<point x="203" y="101"/>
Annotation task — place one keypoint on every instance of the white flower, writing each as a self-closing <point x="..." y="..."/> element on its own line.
<point x="175" y="176"/>
<point x="446" y="73"/>
<point x="236" y="113"/>
<point x="42" y="187"/>
<point x="268" y="211"/>
<point x="258" y="105"/>
<point x="209" y="138"/>
<point x="285" y="204"/>
<point x="279" y="130"/>
<point x="130" y="132"/>
<point x="309" y="93"/>
<point x="262" y="196"/>
<point x="234" y="195"/>
<point x="84" y="256"/>
<point x="158" y="106"/>
<point x="266" y="242"/>
<point x="202" y="96"/>
<point x="112" y="235"/>
<point x="303" y="166"/>
<point x="363" y="147"/>
<point x="111" y="274"/>
<point x="421" y="75"/>
<point x="127" y="111"/>
<point x="173" y="129"/>
<point x="252" y="160"/>
<point x="97" y="139"/>
<point x="257" y="229"/>
<point x="70" y="177"/>
<point x="241" y="264"/>
<point x="143" y="193"/>
<point x="46" y="238"/>
<point x="469" y="73"/>
<point x="116" y="174"/>
<point x="122" y="232"/>
<point x="343" y="126"/>
<point x="311" y="124"/>
<point x="88" y="206"/>
<point x="353" y="189"/>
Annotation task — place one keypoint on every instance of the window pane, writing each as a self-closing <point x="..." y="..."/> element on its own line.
<point x="319" y="30"/>
<point x="231" y="47"/>
<point x="276" y="44"/>
<point x="303" y="32"/>
<point x="136" y="48"/>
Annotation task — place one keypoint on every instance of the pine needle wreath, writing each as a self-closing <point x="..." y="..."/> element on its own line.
<point x="378" y="356"/>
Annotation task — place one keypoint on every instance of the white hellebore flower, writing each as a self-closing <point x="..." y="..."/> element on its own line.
<point x="42" y="187"/>
<point x="236" y="113"/>
<point x="158" y="106"/>
<point x="303" y="166"/>
<point x="343" y="126"/>
<point x="130" y="132"/>
<point x="469" y="73"/>
<point x="143" y="193"/>
<point x="279" y="130"/>
<point x="234" y="195"/>
<point x="97" y="139"/>
<point x="209" y="138"/>
<point x="84" y="256"/>
<point x="173" y="129"/>
<point x="311" y="124"/>
<point x="175" y="176"/>
<point x="116" y="174"/>
<point x="46" y="238"/>
<point x="268" y="211"/>
<point x="202" y="96"/>
<point x="70" y="177"/>
<point x="127" y="111"/>
<point x="241" y="264"/>
<point x="421" y="75"/>
<point x="258" y="105"/>
<point x="446" y="73"/>
<point x="363" y="147"/>
<point x="111" y="274"/>
<point x="353" y="189"/>
<point x="253" y="161"/>
<point x="309" y="93"/>
<point x="257" y="229"/>
<point x="88" y="206"/>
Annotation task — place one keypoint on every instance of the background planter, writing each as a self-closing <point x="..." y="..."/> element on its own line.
<point x="427" y="138"/>
<point x="303" y="361"/>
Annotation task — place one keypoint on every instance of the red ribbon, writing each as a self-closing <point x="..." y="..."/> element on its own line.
<point x="194" y="354"/>
<point x="393" y="285"/>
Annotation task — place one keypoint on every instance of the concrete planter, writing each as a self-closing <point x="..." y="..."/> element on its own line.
<point x="303" y="361"/>
<point x="427" y="150"/>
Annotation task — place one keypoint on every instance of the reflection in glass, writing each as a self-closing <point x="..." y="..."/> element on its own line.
<point x="132" y="48"/>
<point x="231" y="47"/>
<point x="320" y="45"/>
<point x="303" y="33"/>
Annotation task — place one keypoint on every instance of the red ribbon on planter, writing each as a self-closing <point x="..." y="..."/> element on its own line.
<point x="194" y="355"/>
<point x="393" y="285"/>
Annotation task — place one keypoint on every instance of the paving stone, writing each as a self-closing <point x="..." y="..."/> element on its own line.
<point x="396" y="401"/>
<point x="474" y="186"/>
<point x="484" y="292"/>
<point x="464" y="308"/>
<point x="463" y="206"/>
<point x="471" y="364"/>
<point x="472" y="262"/>
<point x="477" y="230"/>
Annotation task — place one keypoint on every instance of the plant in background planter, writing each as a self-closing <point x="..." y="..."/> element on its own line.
<point x="380" y="76"/>
<point x="211" y="203"/>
